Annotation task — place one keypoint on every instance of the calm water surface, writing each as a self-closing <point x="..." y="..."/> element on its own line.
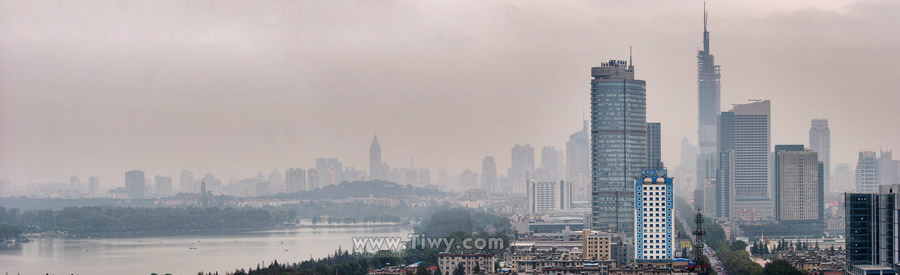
<point x="172" y="254"/>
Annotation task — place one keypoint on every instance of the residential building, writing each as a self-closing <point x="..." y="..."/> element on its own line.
<point x="549" y="196"/>
<point x="187" y="183"/>
<point x="468" y="179"/>
<point x="295" y="180"/>
<point x="94" y="186"/>
<point x="484" y="262"/>
<point x="595" y="245"/>
<point x="134" y="184"/>
<point x="521" y="167"/>
<point x="618" y="144"/>
<point x="843" y="178"/>
<point x="329" y="171"/>
<point x="163" y="186"/>
<point x="489" y="174"/>
<point x="653" y="216"/>
<point x="553" y="161"/>
<point x="312" y="177"/>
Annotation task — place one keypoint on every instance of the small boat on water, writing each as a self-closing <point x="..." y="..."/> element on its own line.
<point x="192" y="247"/>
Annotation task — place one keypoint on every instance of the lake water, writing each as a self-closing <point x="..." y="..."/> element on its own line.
<point x="172" y="254"/>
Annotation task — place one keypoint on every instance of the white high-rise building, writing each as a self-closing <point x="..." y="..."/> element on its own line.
<point x="820" y="142"/>
<point x="553" y="161"/>
<point x="888" y="169"/>
<point x="521" y="167"/>
<point x="163" y="186"/>
<point x="329" y="171"/>
<point x="489" y="174"/>
<point x="653" y="221"/>
<point x="94" y="186"/>
<point x="188" y="184"/>
<point x="295" y="180"/>
<point x="134" y="184"/>
<point x="548" y="196"/>
<point x="867" y="173"/>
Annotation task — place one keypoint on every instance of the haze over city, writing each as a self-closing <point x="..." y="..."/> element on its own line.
<point x="98" y="87"/>
<point x="427" y="137"/>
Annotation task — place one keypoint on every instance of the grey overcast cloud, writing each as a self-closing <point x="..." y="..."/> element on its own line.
<point x="239" y="87"/>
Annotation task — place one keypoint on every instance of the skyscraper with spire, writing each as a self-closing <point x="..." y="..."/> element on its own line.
<point x="376" y="167"/>
<point x="709" y="94"/>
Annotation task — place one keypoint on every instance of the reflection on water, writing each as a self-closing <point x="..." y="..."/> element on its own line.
<point x="181" y="254"/>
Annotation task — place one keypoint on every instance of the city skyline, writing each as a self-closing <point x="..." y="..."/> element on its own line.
<point x="48" y="129"/>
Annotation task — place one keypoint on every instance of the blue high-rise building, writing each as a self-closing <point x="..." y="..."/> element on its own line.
<point x="618" y="144"/>
<point x="861" y="228"/>
<point x="871" y="237"/>
<point x="653" y="216"/>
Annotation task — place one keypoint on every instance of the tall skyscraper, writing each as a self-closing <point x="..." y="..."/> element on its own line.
<point x="134" y="184"/>
<point x="94" y="185"/>
<point x="861" y="211"/>
<point x="709" y="93"/>
<point x="163" y="186"/>
<point x="867" y="172"/>
<point x="820" y="142"/>
<point x="329" y="171"/>
<point x="276" y="183"/>
<point x="187" y="183"/>
<point x="618" y="144"/>
<point x="295" y="180"/>
<point x="488" y="174"/>
<point x="888" y="169"/>
<point x="468" y="180"/>
<point x="548" y="196"/>
<point x="578" y="163"/>
<point x="522" y="165"/>
<point x="653" y="225"/>
<point x="378" y="170"/>
<point x="312" y="178"/>
<point x="552" y="161"/>
<point x="842" y="178"/>
<point x="75" y="183"/>
<point x="870" y="230"/>
<point x="654" y="146"/>
<point x="743" y="175"/>
<point x="799" y="190"/>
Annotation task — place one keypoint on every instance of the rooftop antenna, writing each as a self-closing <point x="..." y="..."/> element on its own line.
<point x="629" y="56"/>
<point x="705" y="32"/>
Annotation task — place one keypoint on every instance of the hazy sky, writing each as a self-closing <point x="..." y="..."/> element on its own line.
<point x="237" y="87"/>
